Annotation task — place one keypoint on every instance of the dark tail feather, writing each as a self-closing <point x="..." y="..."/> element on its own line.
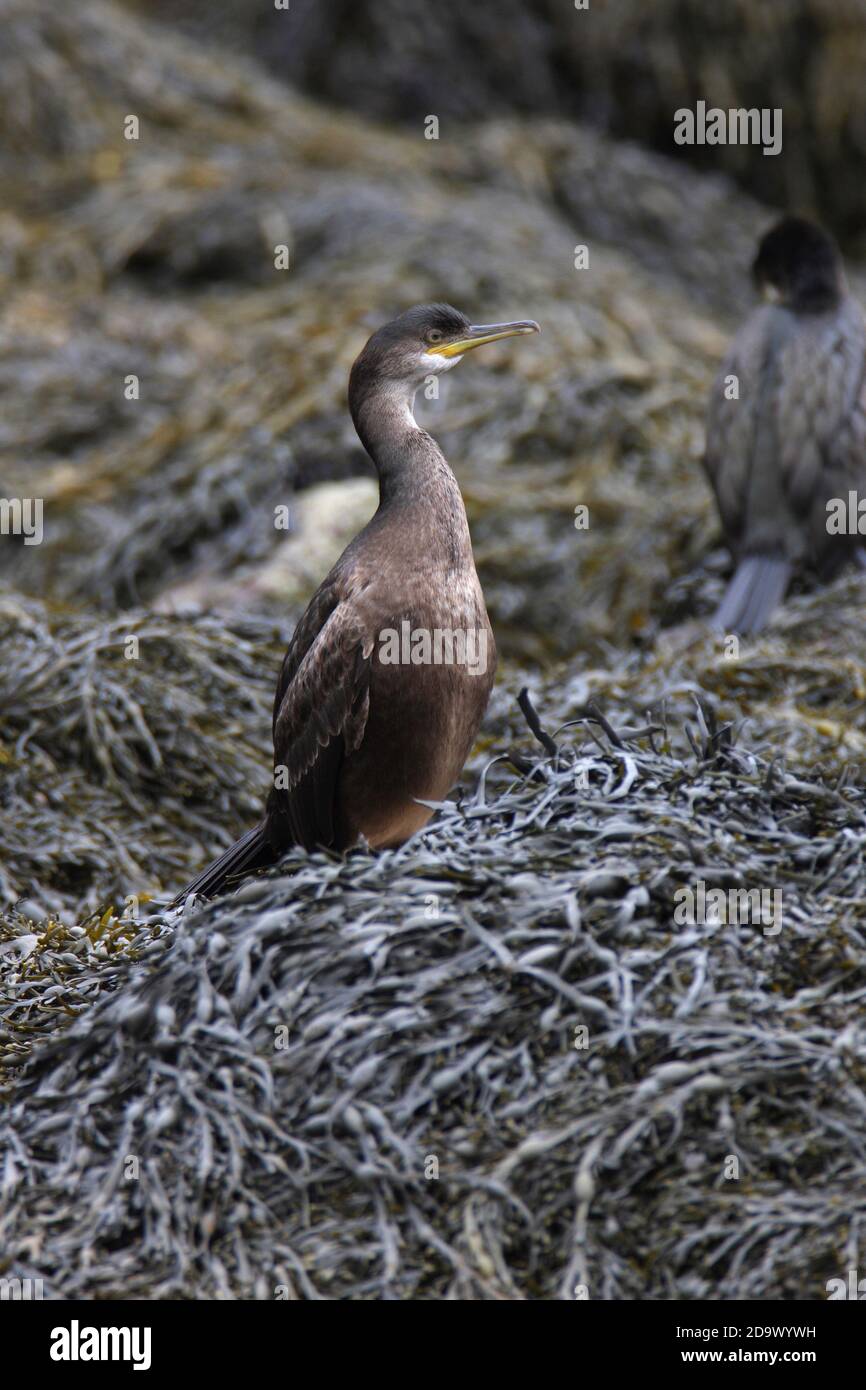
<point x="756" y="590"/>
<point x="251" y="851"/>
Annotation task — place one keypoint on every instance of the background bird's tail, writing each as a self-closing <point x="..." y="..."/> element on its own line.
<point x="757" y="588"/>
<point x="251" y="851"/>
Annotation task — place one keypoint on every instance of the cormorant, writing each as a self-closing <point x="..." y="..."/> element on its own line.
<point x="389" y="670"/>
<point x="796" y="436"/>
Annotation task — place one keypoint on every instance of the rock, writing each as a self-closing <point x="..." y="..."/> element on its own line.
<point x="323" y="521"/>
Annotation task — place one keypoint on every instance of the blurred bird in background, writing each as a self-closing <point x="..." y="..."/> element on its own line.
<point x="789" y="433"/>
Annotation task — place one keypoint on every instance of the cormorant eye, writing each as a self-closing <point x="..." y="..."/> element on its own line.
<point x="435" y="335"/>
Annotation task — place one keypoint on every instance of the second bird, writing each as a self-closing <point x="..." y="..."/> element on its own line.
<point x="786" y="431"/>
<point x="389" y="670"/>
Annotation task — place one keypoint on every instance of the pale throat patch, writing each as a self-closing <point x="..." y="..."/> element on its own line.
<point x="434" y="363"/>
<point x="431" y="366"/>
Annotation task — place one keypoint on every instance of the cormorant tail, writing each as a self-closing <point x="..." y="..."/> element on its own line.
<point x="250" y="852"/>
<point x="756" y="590"/>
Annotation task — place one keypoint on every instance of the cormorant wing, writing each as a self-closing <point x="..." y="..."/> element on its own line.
<point x="732" y="421"/>
<point x="320" y="713"/>
<point x="821" y="410"/>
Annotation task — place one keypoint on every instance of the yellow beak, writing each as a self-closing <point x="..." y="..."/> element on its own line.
<point x="481" y="333"/>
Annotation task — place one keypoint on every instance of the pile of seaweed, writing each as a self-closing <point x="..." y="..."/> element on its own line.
<point x="624" y="67"/>
<point x="496" y="1063"/>
<point x="369" y="1077"/>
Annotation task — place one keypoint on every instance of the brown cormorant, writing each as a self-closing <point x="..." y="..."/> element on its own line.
<point x="389" y="670"/>
<point x="795" y="437"/>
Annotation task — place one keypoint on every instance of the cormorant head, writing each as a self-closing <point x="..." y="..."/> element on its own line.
<point x="798" y="265"/>
<point x="426" y="340"/>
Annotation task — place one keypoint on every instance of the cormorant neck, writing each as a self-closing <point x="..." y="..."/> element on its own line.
<point x="818" y="283"/>
<point x="407" y="458"/>
<point x="817" y="296"/>
<point x="382" y="415"/>
<point x="415" y="482"/>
